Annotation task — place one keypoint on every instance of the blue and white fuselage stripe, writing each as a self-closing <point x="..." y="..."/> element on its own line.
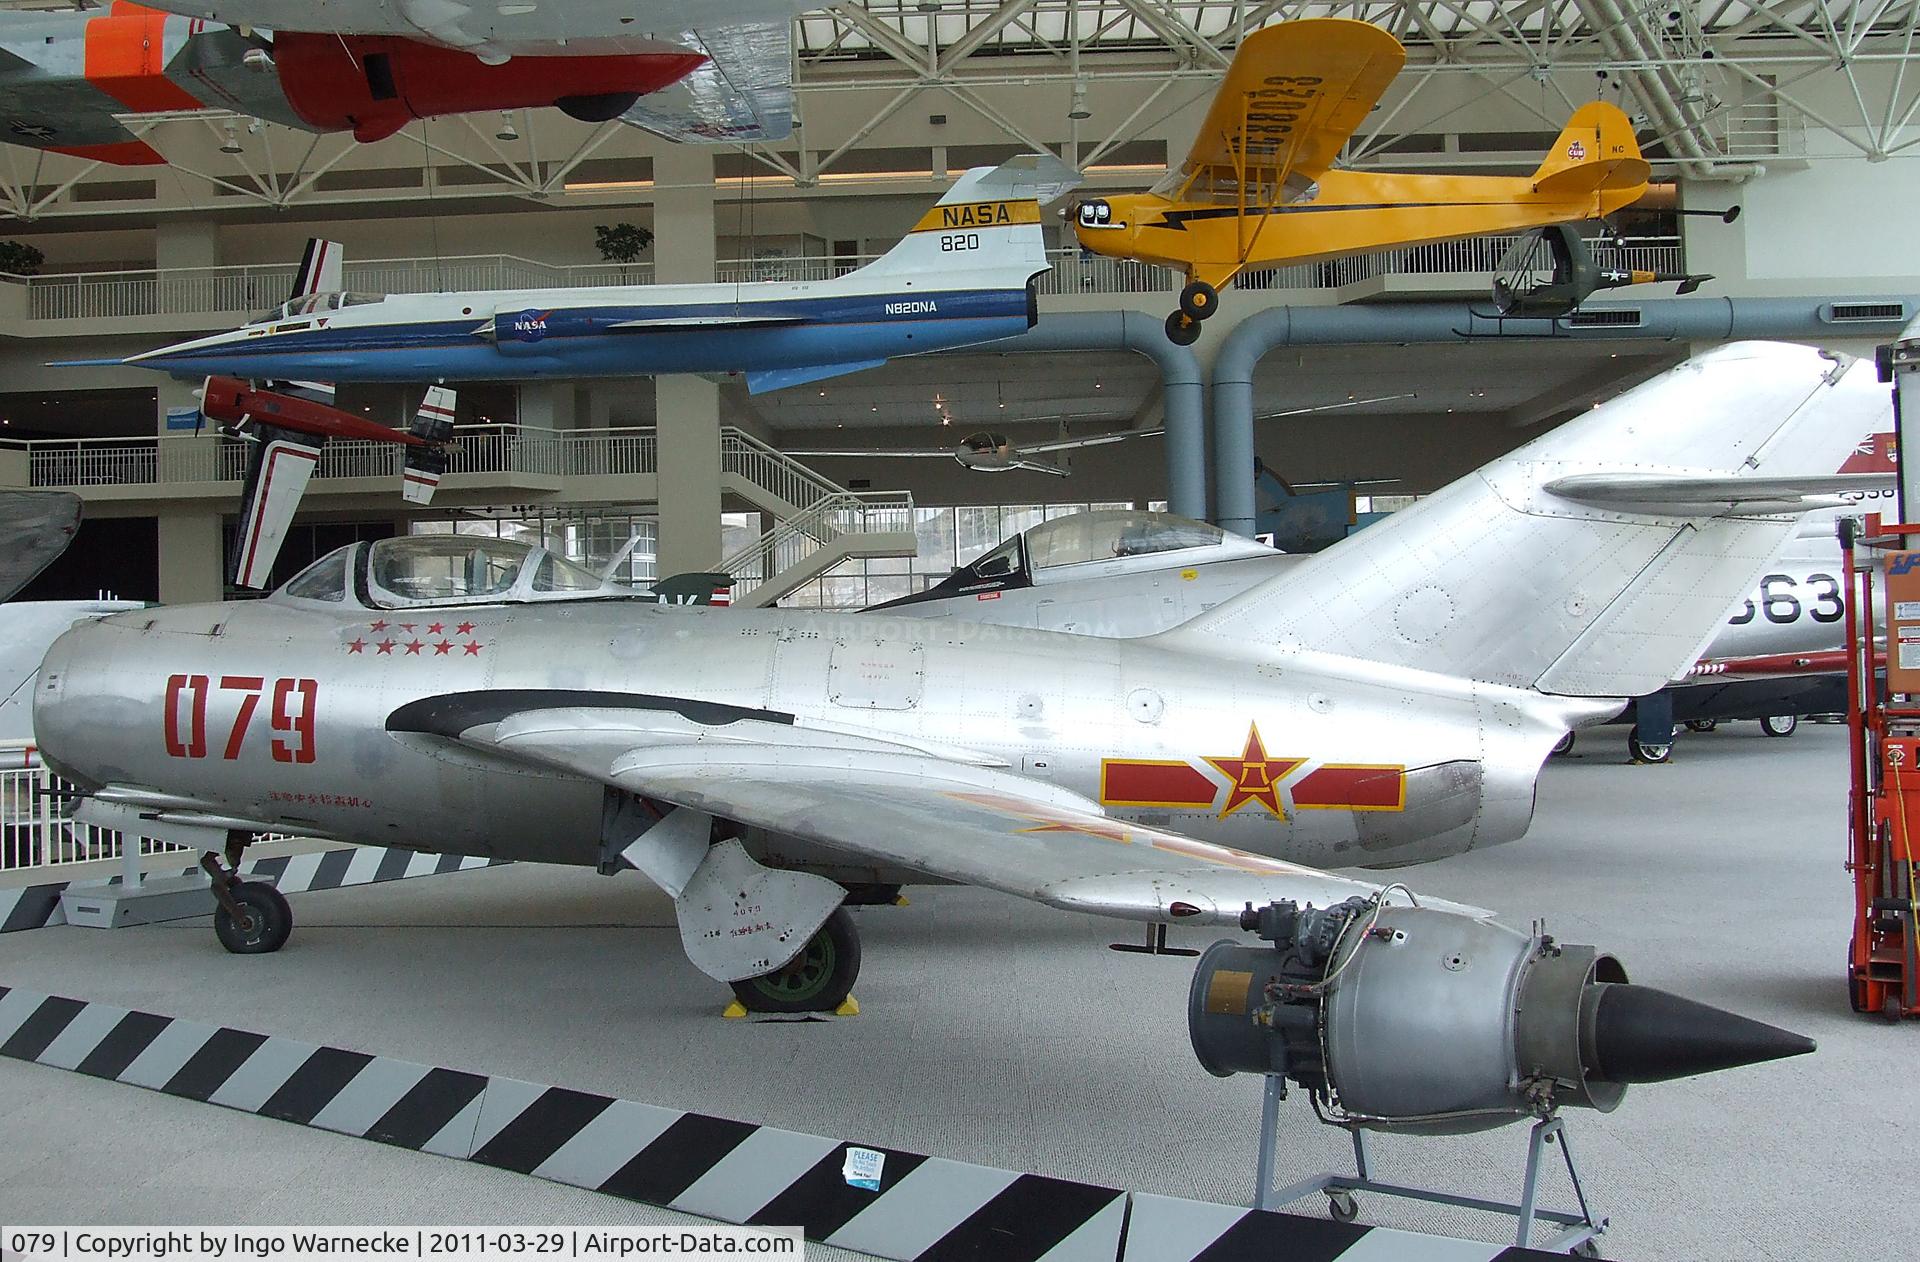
<point x="588" y="334"/>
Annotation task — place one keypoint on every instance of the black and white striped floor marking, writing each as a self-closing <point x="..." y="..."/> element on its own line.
<point x="923" y="1208"/>
<point x="38" y="906"/>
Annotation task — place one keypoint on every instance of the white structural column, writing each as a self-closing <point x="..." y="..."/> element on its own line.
<point x="191" y="556"/>
<point x="549" y="405"/>
<point x="687" y="408"/>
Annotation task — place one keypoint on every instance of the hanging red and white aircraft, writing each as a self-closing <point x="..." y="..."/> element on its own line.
<point x="70" y="81"/>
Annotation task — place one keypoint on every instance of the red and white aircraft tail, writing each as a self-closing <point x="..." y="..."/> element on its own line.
<point x="424" y="467"/>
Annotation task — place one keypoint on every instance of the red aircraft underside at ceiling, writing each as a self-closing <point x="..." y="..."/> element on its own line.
<point x="68" y="81"/>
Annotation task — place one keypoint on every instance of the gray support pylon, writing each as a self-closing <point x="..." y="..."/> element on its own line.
<point x="1660" y="320"/>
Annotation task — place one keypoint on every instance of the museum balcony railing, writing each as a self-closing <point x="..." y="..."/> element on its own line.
<point x="233" y="294"/>
<point x="77" y="463"/>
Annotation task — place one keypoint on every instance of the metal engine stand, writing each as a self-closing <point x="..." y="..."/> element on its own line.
<point x="1579" y="1233"/>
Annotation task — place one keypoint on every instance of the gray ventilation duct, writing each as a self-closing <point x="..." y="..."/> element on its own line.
<point x="1181" y="385"/>
<point x="1658" y="319"/>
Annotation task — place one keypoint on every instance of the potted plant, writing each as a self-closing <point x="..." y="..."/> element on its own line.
<point x="17" y="258"/>
<point x="622" y="243"/>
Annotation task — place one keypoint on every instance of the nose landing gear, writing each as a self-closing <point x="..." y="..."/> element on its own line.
<point x="253" y="917"/>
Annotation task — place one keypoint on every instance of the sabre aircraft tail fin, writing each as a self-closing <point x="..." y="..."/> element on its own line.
<point x="1596" y="561"/>
<point x="986" y="227"/>
<point x="321" y="270"/>
<point x="282" y="462"/>
<point x="424" y="466"/>
<point x="1596" y="150"/>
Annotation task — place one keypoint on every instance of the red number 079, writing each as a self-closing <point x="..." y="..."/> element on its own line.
<point x="294" y="703"/>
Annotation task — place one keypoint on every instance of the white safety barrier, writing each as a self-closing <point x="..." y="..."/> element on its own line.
<point x="37" y="827"/>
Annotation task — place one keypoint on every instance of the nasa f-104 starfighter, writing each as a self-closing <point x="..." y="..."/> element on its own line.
<point x="964" y="274"/>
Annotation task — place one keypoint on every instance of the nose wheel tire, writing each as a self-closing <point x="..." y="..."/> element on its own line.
<point x="1182" y="329"/>
<point x="819" y="979"/>
<point x="1199" y="300"/>
<point x="1779" y="724"/>
<point x="264" y="922"/>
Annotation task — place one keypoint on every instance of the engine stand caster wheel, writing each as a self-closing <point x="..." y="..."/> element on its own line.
<point x="1343" y="1206"/>
<point x="819" y="979"/>
<point x="1779" y="724"/>
<point x="1702" y="725"/>
<point x="1182" y="329"/>
<point x="1586" y="1249"/>
<point x="1892" y="1009"/>
<point x="263" y="925"/>
<point x="1199" y="300"/>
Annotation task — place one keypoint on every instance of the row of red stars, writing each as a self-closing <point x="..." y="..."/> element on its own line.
<point x="435" y="628"/>
<point x="471" y="647"/>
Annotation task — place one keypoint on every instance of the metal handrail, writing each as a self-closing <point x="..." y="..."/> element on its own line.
<point x="240" y="290"/>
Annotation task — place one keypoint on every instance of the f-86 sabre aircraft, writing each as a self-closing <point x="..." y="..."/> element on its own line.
<point x="1386" y="702"/>
<point x="965" y="274"/>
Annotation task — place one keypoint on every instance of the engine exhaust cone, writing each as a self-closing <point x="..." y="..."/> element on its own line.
<point x="1639" y="1034"/>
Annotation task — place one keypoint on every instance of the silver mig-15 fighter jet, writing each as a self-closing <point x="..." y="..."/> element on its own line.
<point x="1386" y="702"/>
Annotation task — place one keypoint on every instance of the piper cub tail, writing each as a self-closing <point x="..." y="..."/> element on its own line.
<point x="1595" y="151"/>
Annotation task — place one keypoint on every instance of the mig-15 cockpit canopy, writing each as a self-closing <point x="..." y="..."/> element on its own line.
<point x="428" y="571"/>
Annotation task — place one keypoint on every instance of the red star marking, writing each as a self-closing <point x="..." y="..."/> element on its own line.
<point x="441" y="649"/>
<point x="385" y="646"/>
<point x="473" y="650"/>
<point x="378" y="626"/>
<point x="407" y="626"/>
<point x="358" y="646"/>
<point x="435" y="628"/>
<point x="1256" y="777"/>
<point x="413" y="649"/>
<point x="465" y="628"/>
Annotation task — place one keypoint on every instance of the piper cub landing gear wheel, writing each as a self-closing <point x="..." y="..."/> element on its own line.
<point x="1182" y="329"/>
<point x="819" y="979"/>
<point x="1199" y="300"/>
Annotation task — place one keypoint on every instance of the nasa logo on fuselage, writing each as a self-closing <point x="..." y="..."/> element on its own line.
<point x="528" y="326"/>
<point x="918" y="306"/>
<point x="975" y="215"/>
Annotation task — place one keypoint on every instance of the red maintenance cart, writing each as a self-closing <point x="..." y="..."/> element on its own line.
<point x="1883" y="726"/>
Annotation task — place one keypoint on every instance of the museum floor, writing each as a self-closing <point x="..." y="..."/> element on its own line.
<point x="1000" y="1032"/>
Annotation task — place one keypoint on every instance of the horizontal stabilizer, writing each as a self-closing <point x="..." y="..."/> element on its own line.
<point x="283" y="461"/>
<point x="1681" y="495"/>
<point x="780" y="378"/>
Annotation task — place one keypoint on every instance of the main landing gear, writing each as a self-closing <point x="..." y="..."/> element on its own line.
<point x="252" y="917"/>
<point x="819" y="979"/>
<point x="1198" y="301"/>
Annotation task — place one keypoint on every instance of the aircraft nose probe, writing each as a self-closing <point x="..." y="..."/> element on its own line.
<point x="1416" y="1020"/>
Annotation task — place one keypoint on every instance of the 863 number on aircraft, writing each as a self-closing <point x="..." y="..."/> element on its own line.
<point x="190" y="697"/>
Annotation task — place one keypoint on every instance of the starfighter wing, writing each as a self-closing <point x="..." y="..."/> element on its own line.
<point x="1293" y="95"/>
<point x="947" y="812"/>
<point x="743" y="92"/>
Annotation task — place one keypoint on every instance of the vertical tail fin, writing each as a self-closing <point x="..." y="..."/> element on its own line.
<point x="1596" y="561"/>
<point x="321" y="270"/>
<point x="424" y="466"/>
<point x="1594" y="151"/>
<point x="985" y="228"/>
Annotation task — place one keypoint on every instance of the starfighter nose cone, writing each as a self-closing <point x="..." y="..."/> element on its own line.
<point x="1639" y="1034"/>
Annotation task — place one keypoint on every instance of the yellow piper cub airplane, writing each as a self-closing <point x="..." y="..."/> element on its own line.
<point x="1259" y="187"/>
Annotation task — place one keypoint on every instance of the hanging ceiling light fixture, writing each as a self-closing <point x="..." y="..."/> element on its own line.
<point x="1078" y="110"/>
<point x="232" y="143"/>
<point x="507" y="130"/>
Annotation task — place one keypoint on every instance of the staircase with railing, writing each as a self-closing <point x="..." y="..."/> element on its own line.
<point x="817" y="523"/>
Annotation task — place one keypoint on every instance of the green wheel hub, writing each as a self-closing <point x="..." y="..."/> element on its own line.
<point x="806" y="977"/>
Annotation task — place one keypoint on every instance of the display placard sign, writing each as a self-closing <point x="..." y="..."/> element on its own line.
<point x="1903" y="621"/>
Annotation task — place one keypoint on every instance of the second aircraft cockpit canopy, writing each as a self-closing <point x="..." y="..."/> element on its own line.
<point x="430" y="571"/>
<point x="315" y="304"/>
